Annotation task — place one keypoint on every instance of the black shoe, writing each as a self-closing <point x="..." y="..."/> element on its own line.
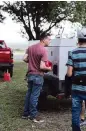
<point x="82" y="120"/>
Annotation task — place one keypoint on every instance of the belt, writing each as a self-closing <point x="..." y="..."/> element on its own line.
<point x="79" y="80"/>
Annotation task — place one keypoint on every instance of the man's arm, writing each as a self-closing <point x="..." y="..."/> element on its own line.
<point x="69" y="71"/>
<point x="70" y="65"/>
<point x="44" y="58"/>
<point x="25" y="58"/>
<point x="44" y="67"/>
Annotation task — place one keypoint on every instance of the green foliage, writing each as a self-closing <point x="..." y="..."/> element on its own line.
<point x="80" y="12"/>
<point x="1" y="16"/>
<point x="34" y="14"/>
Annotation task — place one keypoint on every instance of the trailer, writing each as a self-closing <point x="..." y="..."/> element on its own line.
<point x="54" y="81"/>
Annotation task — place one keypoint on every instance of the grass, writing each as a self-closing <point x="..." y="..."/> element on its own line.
<point x="12" y="101"/>
<point x="12" y="97"/>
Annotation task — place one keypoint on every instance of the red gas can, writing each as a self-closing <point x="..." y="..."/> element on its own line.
<point x="7" y="76"/>
<point x="48" y="64"/>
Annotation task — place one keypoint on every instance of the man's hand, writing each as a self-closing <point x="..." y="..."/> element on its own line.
<point x="44" y="67"/>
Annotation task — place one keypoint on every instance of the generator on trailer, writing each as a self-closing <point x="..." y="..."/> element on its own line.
<point x="54" y="81"/>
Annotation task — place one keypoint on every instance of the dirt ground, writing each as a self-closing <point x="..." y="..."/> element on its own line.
<point x="57" y="116"/>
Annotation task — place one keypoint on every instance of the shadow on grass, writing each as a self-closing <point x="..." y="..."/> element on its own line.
<point x="52" y="104"/>
<point x="13" y="103"/>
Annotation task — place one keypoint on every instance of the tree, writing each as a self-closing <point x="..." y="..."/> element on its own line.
<point x="34" y="14"/>
<point x="79" y="12"/>
<point x="1" y="16"/>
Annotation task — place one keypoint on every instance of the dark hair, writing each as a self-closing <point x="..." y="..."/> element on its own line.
<point x="81" y="41"/>
<point x="44" y="35"/>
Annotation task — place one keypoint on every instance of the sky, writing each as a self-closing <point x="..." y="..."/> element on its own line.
<point x="9" y="31"/>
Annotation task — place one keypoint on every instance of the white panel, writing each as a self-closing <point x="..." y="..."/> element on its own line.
<point x="55" y="42"/>
<point x="61" y="47"/>
<point x="68" y="42"/>
<point x="53" y="56"/>
<point x="63" y="60"/>
<point x="63" y="42"/>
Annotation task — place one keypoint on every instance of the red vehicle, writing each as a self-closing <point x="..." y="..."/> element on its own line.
<point x="6" y="58"/>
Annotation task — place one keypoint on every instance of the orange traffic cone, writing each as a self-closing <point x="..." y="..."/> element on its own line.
<point x="7" y="76"/>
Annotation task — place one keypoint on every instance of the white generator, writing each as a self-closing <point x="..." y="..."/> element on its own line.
<point x="58" y="54"/>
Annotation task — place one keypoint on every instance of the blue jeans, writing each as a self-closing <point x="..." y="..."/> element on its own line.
<point x="35" y="83"/>
<point x="76" y="110"/>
